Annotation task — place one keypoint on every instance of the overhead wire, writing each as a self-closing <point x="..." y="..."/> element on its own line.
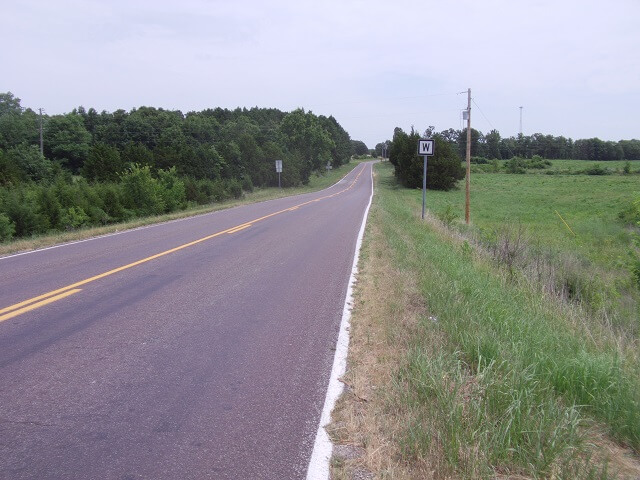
<point x="480" y="110"/>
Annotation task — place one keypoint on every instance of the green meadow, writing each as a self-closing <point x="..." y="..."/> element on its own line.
<point x="589" y="204"/>
<point x="507" y="374"/>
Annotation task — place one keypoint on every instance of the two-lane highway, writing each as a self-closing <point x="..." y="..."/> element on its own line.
<point x="199" y="348"/>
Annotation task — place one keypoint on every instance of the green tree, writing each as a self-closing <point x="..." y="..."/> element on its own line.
<point x="67" y="139"/>
<point x="9" y="104"/>
<point x="103" y="163"/>
<point x="136" y="153"/>
<point x="477" y="146"/>
<point x="302" y="133"/>
<point x="492" y="145"/>
<point x="359" y="147"/>
<point x="142" y="193"/>
<point x="341" y="151"/>
<point x="17" y="125"/>
<point x="172" y="190"/>
<point x="32" y="165"/>
<point x="7" y="228"/>
<point x="444" y="168"/>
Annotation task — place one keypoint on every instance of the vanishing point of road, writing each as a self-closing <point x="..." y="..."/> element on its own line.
<point x="194" y="349"/>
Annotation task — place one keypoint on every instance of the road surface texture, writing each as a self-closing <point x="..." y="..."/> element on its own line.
<point x="194" y="349"/>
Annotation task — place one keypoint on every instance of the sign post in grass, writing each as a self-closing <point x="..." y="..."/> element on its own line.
<point x="425" y="149"/>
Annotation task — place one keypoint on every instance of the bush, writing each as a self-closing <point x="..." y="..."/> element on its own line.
<point x="31" y="163"/>
<point x="234" y="188"/>
<point x="448" y="215"/>
<point x="443" y="170"/>
<point x="515" y="165"/>
<point x="479" y="160"/>
<point x="247" y="184"/>
<point x="141" y="192"/>
<point x="173" y="191"/>
<point x="73" y="218"/>
<point x="7" y="228"/>
<point x="22" y="212"/>
<point x="597" y="170"/>
<point x="111" y="201"/>
<point x="538" y="163"/>
<point x="49" y="207"/>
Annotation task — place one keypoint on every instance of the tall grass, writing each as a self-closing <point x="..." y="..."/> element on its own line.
<point x="517" y="386"/>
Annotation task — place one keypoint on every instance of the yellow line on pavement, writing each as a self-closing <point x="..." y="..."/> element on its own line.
<point x="54" y="295"/>
<point x="237" y="229"/>
<point x="33" y="306"/>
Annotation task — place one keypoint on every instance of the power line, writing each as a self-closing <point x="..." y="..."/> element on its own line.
<point x="485" y="117"/>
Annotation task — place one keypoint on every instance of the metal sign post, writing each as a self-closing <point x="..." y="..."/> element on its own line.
<point x="426" y="148"/>
<point x="279" y="170"/>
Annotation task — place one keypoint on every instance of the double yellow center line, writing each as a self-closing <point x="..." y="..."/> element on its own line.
<point x="55" y="295"/>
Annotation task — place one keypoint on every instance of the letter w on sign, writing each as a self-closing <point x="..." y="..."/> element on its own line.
<point x="425" y="146"/>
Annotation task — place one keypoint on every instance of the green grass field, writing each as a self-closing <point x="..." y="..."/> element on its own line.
<point x="589" y="204"/>
<point x="500" y="379"/>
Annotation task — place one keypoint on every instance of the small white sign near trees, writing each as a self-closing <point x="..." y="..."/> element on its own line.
<point x="425" y="147"/>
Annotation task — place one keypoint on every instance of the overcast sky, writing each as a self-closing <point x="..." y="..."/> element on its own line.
<point x="574" y="66"/>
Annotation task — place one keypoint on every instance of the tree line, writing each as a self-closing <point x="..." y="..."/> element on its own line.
<point x="97" y="168"/>
<point x="493" y="146"/>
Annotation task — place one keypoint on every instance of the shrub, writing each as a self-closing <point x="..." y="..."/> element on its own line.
<point x="49" y="206"/>
<point x="247" y="184"/>
<point x="32" y="164"/>
<point x="111" y="200"/>
<point x="141" y="192"/>
<point x="597" y="170"/>
<point x="538" y="163"/>
<point x="515" y="165"/>
<point x="173" y="191"/>
<point x="22" y="212"/>
<point x="73" y="217"/>
<point x="444" y="169"/>
<point x="479" y="160"/>
<point x="7" y="228"/>
<point x="210" y="191"/>
<point x="448" y="215"/>
<point x="234" y="188"/>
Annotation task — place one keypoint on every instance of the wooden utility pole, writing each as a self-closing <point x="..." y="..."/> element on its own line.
<point x="41" y="143"/>
<point x="467" y="196"/>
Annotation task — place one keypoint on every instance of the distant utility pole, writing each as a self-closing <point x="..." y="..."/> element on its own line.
<point x="41" y="144"/>
<point x="520" y="120"/>
<point x="468" y="196"/>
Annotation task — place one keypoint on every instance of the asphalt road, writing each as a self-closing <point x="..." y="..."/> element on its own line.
<point x="207" y="359"/>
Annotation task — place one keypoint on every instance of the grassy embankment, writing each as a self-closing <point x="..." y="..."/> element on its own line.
<point x="317" y="182"/>
<point x="463" y="367"/>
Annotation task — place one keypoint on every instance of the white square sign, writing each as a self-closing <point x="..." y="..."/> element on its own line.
<point x="425" y="146"/>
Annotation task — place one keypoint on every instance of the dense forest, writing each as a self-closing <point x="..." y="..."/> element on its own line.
<point x="91" y="168"/>
<point x="493" y="146"/>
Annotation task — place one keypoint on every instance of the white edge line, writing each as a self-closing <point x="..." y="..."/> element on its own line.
<point x="323" y="448"/>
<point x="152" y="225"/>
